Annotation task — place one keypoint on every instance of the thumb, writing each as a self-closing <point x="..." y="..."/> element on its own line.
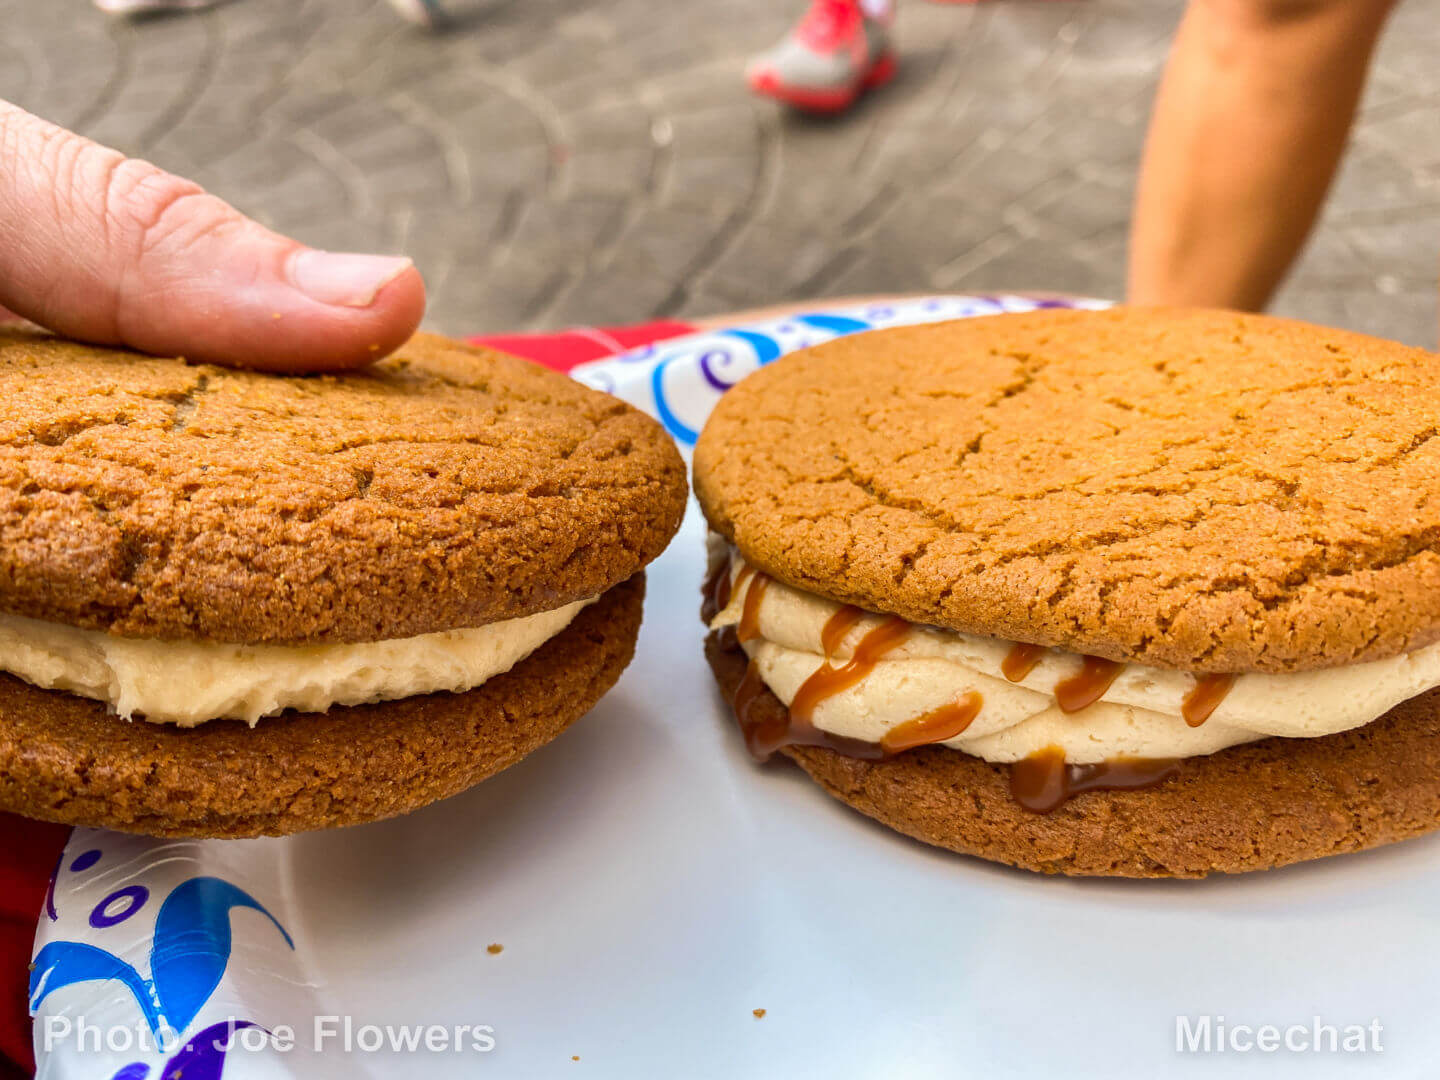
<point x="112" y="250"/>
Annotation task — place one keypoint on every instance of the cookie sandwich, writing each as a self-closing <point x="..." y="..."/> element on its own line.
<point x="1134" y="592"/>
<point x="235" y="604"/>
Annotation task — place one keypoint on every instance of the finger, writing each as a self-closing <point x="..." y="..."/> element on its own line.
<point x="112" y="250"/>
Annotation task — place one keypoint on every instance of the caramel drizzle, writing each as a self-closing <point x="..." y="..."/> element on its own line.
<point x="715" y="595"/>
<point x="1088" y="685"/>
<point x="761" y="739"/>
<point x="828" y="681"/>
<point x="1043" y="781"/>
<point x="766" y="730"/>
<point x="837" y="626"/>
<point x="748" y="629"/>
<point x="1209" y="691"/>
<point x="946" y="722"/>
<point x="1021" y="660"/>
<point x="1040" y="783"/>
<point x="746" y="573"/>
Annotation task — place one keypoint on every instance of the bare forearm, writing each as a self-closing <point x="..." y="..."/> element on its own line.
<point x="1248" y="128"/>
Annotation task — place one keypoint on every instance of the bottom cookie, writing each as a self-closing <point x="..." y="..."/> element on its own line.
<point x="1251" y="807"/>
<point x="65" y="759"/>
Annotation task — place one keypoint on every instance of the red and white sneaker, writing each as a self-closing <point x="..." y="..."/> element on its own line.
<point x="835" y="53"/>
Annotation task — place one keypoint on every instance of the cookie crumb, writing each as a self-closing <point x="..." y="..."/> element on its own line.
<point x="759" y="1014"/>
<point x="574" y="1057"/>
<point x="495" y="949"/>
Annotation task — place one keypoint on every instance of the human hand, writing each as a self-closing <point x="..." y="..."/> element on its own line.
<point x="112" y="250"/>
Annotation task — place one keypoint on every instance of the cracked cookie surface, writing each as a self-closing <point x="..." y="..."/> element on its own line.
<point x="446" y="487"/>
<point x="1195" y="489"/>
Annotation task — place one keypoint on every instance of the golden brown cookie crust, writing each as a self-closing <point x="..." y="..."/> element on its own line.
<point x="448" y="487"/>
<point x="1195" y="489"/>
<point x="1251" y="807"/>
<point x="63" y="758"/>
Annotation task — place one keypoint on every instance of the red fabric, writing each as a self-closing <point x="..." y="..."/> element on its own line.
<point x="569" y="348"/>
<point x="29" y="850"/>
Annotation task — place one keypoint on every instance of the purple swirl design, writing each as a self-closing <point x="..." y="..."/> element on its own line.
<point x="50" y="911"/>
<point x="82" y="863"/>
<point x="203" y="1057"/>
<point x="713" y="364"/>
<point x="136" y="895"/>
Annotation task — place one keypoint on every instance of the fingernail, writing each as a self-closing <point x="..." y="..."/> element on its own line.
<point x="344" y="280"/>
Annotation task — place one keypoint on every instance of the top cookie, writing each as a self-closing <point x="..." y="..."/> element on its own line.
<point x="447" y="487"/>
<point x="1194" y="489"/>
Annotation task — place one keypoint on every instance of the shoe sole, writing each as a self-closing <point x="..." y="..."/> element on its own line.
<point x="825" y="101"/>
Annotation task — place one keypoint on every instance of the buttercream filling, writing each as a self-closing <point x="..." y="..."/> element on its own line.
<point x="189" y="683"/>
<point x="1141" y="713"/>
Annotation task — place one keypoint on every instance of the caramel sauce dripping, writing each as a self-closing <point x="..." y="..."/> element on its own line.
<point x="746" y="573"/>
<point x="837" y="626"/>
<point x="1021" y="660"/>
<point x="767" y="730"/>
<point x="1088" y="685"/>
<point x="1043" y="781"/>
<point x="1040" y="783"/>
<point x="1209" y="691"/>
<point x="828" y="681"/>
<point x="715" y="594"/>
<point x="748" y="629"/>
<point x="940" y="724"/>
<point x="757" y="734"/>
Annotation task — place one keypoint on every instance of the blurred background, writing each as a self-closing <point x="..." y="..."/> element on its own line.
<point x="558" y="162"/>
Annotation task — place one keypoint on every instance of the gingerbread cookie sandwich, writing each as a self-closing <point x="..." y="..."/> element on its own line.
<point x="235" y="604"/>
<point x="1133" y="592"/>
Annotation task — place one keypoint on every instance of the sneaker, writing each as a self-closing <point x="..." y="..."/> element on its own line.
<point x="834" y="53"/>
<point x="419" y="12"/>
